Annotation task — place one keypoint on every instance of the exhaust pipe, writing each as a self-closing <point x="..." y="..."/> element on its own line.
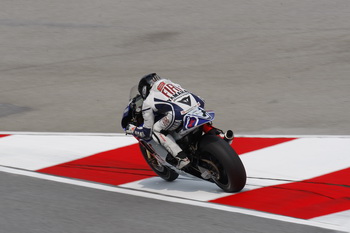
<point x="228" y="137"/>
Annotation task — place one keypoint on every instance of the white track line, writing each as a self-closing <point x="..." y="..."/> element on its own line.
<point x="170" y="199"/>
<point x="37" y="151"/>
<point x="122" y="134"/>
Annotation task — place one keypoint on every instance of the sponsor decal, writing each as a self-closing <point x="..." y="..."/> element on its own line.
<point x="165" y="121"/>
<point x="169" y="90"/>
<point x="190" y="109"/>
<point x="186" y="100"/>
<point x="160" y="86"/>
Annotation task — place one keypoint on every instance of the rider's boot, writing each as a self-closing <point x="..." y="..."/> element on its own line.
<point x="182" y="160"/>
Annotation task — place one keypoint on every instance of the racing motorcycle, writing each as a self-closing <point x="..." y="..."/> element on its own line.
<point x="211" y="155"/>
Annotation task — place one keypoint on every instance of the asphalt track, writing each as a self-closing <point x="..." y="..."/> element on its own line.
<point x="43" y="206"/>
<point x="265" y="67"/>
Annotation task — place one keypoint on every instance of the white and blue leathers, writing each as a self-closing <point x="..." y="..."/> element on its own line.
<point x="163" y="111"/>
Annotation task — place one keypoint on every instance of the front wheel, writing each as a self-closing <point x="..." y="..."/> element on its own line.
<point x="222" y="161"/>
<point x="163" y="172"/>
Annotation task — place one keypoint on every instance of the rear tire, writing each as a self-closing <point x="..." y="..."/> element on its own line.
<point x="224" y="161"/>
<point x="163" y="172"/>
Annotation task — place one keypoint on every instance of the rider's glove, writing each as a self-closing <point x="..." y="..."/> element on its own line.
<point x="130" y="128"/>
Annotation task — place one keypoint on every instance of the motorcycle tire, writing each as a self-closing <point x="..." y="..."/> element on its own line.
<point x="163" y="172"/>
<point x="221" y="156"/>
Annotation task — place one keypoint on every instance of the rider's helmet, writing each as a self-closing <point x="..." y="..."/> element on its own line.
<point x="146" y="84"/>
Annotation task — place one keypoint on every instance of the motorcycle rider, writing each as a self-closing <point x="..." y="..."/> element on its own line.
<point x="164" y="105"/>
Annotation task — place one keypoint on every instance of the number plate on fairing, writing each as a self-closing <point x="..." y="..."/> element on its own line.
<point x="197" y="117"/>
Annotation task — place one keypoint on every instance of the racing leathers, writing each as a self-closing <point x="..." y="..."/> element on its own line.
<point x="163" y="111"/>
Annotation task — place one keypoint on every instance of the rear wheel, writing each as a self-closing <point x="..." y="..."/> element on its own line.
<point x="164" y="172"/>
<point x="225" y="166"/>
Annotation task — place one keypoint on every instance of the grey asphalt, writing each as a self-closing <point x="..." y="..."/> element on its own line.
<point x="265" y="67"/>
<point x="30" y="205"/>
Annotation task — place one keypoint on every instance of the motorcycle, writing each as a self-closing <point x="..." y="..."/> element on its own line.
<point x="211" y="155"/>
